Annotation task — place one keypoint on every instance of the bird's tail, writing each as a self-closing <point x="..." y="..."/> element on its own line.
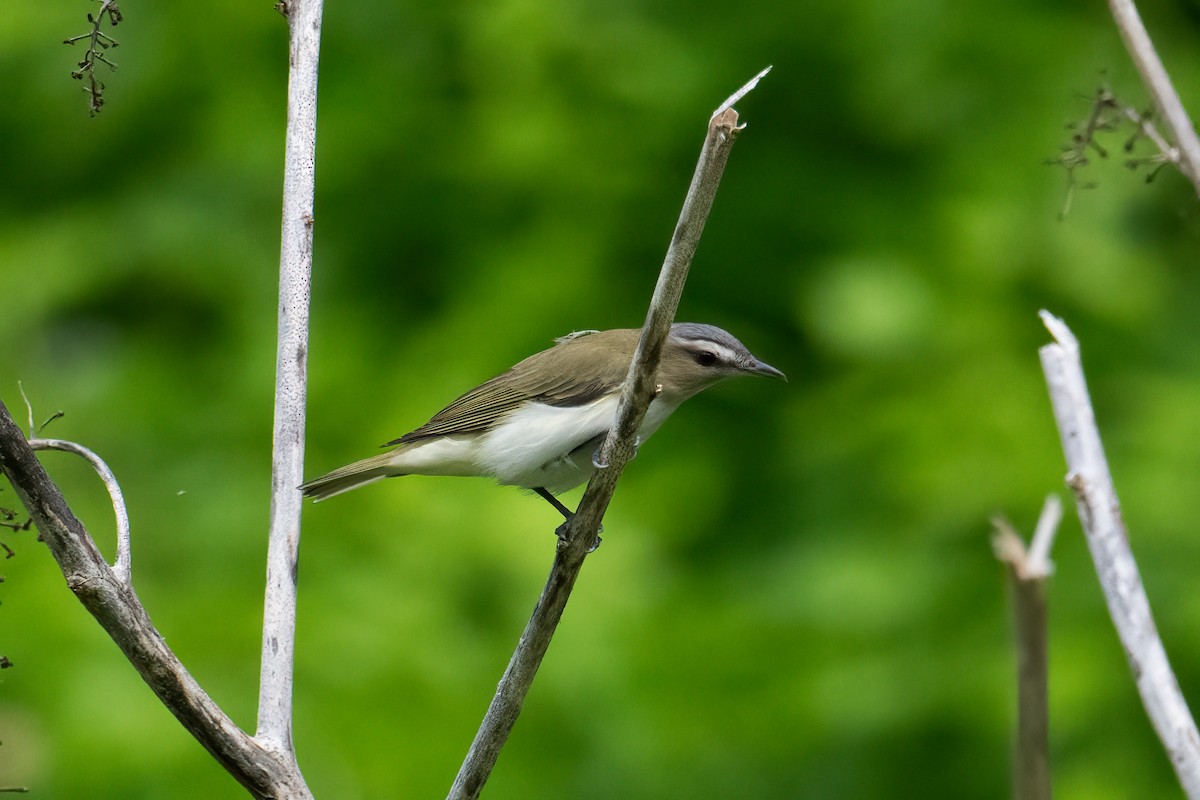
<point x="351" y="476"/>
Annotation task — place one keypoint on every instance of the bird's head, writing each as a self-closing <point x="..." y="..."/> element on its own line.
<point x="695" y="356"/>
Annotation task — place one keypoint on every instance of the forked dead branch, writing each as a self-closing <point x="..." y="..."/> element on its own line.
<point x="264" y="763"/>
<point x="1028" y="569"/>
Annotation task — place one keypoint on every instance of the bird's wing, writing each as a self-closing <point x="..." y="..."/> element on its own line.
<point x="539" y="378"/>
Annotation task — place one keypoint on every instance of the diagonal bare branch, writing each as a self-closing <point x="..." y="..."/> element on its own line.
<point x="1100" y="512"/>
<point x="578" y="535"/>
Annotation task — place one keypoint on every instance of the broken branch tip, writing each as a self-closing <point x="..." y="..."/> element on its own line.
<point x="738" y="95"/>
<point x="1058" y="329"/>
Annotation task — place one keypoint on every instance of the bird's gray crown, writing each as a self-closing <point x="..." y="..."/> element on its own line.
<point x="700" y="333"/>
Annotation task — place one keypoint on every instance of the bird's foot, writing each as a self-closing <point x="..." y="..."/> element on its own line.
<point x="568" y="515"/>
<point x="599" y="463"/>
<point x="561" y="533"/>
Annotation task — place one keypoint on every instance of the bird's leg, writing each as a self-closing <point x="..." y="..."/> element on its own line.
<point x="554" y="501"/>
<point x="567" y="514"/>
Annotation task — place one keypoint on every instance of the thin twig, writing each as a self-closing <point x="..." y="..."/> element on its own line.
<point x="122" y="567"/>
<point x="28" y="408"/>
<point x="1027" y="574"/>
<point x="1145" y="125"/>
<point x="1100" y="513"/>
<point x="1154" y="75"/>
<point x="580" y="532"/>
<point x="1038" y="563"/>
<point x="291" y="371"/>
<point x="97" y="43"/>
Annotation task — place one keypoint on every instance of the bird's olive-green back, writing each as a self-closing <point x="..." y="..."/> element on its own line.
<point x="575" y="371"/>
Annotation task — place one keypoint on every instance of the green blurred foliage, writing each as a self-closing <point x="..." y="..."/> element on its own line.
<point x="796" y="597"/>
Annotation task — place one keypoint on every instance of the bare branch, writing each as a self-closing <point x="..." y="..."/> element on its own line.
<point x="122" y="567"/>
<point x="1154" y="75"/>
<point x="291" y="371"/>
<point x="115" y="605"/>
<point x="1100" y="513"/>
<point x="579" y="534"/>
<point x="1027" y="573"/>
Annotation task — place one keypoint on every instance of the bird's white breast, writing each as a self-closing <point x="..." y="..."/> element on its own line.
<point x="551" y="446"/>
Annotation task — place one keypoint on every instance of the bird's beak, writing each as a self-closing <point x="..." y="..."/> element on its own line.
<point x="756" y="367"/>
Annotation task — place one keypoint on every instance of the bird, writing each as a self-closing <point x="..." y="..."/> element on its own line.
<point x="539" y="425"/>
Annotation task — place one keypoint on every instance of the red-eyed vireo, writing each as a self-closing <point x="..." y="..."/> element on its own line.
<point x="538" y="425"/>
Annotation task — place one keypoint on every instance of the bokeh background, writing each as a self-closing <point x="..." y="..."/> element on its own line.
<point x="796" y="597"/>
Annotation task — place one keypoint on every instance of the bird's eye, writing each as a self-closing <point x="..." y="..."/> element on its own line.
<point x="705" y="358"/>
